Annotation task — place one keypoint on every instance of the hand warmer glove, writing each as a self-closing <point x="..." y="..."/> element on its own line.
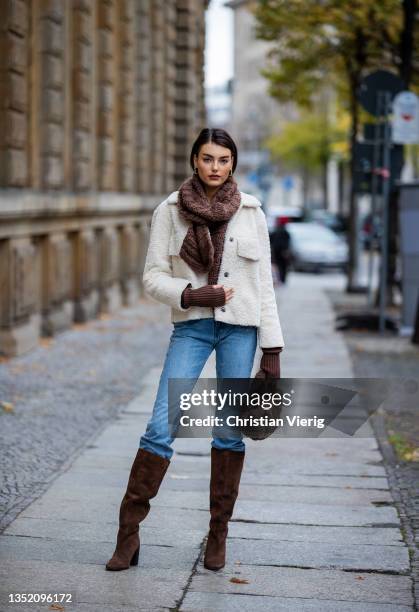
<point x="269" y="363"/>
<point x="208" y="295"/>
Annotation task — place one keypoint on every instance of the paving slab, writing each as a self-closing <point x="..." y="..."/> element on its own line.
<point x="389" y="536"/>
<point x="93" y="552"/>
<point x="326" y="467"/>
<point x="152" y="587"/>
<point x="171" y="492"/>
<point x="314" y="514"/>
<point x="362" y="557"/>
<point x="307" y="583"/>
<point x="160" y="535"/>
<point x="314" y="480"/>
<point x="74" y="510"/>
<point x="218" y="602"/>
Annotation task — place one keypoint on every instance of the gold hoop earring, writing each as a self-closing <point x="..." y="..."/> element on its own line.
<point x="195" y="170"/>
<point x="231" y="173"/>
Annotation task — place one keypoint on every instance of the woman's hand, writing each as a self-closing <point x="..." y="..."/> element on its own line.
<point x="208" y="295"/>
<point x="270" y="366"/>
<point x="229" y="292"/>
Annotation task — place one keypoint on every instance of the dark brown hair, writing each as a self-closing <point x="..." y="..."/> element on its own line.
<point x="217" y="136"/>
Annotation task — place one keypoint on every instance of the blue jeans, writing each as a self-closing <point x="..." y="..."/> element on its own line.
<point x="191" y="343"/>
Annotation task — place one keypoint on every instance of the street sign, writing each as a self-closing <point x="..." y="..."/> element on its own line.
<point x="405" y="124"/>
<point x="288" y="183"/>
<point x="380" y="80"/>
<point x="253" y="177"/>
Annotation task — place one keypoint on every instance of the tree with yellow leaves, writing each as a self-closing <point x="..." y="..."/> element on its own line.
<point x="334" y="43"/>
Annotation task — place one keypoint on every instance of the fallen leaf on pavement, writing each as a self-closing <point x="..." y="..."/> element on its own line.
<point x="239" y="581"/>
<point x="7" y="406"/>
<point x="46" y="342"/>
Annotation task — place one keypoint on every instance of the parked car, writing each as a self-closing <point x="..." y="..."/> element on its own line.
<point x="315" y="247"/>
<point x="334" y="221"/>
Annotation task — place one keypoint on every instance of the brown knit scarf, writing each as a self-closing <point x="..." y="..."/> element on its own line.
<point x="203" y="245"/>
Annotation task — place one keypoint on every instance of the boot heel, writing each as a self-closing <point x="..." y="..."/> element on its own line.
<point x="134" y="560"/>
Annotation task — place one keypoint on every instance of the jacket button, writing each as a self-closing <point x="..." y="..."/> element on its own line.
<point x="225" y="273"/>
<point x="231" y="239"/>
<point x="223" y="309"/>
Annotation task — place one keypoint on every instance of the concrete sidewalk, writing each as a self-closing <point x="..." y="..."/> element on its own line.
<point x="314" y="527"/>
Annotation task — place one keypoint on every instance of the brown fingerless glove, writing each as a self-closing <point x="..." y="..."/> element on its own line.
<point x="269" y="363"/>
<point x="208" y="295"/>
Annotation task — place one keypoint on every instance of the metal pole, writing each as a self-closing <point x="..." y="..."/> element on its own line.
<point x="357" y="272"/>
<point x="374" y="186"/>
<point x="386" y="188"/>
<point x="415" y="336"/>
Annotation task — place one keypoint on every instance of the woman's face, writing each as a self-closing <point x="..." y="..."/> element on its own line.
<point x="214" y="163"/>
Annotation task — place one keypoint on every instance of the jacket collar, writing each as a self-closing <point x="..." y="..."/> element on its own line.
<point x="246" y="199"/>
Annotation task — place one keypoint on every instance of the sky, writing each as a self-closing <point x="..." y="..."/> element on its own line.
<point x="219" y="44"/>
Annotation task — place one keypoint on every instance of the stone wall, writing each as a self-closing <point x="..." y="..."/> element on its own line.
<point x="100" y="101"/>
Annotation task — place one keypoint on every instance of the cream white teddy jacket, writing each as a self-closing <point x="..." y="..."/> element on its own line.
<point x="245" y="265"/>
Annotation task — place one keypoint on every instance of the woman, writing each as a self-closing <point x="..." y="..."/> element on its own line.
<point x="206" y="231"/>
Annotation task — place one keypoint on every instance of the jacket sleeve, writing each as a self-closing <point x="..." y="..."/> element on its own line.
<point x="270" y="332"/>
<point x="158" y="280"/>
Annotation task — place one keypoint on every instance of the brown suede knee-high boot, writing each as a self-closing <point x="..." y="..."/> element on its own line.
<point x="226" y="469"/>
<point x="145" y="478"/>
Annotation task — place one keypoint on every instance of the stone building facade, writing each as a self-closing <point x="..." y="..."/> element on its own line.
<point x="100" y="102"/>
